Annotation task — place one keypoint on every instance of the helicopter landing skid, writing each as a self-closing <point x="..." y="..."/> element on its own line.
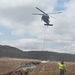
<point x="48" y="24"/>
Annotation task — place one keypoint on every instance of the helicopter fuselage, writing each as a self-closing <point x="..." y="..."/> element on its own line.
<point x="45" y="18"/>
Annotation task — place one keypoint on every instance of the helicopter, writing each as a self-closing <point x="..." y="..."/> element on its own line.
<point x="45" y="17"/>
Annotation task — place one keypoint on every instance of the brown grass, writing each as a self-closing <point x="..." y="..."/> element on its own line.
<point x="50" y="68"/>
<point x="11" y="64"/>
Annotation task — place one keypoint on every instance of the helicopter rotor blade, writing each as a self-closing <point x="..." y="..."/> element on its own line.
<point x="53" y="17"/>
<point x="56" y="13"/>
<point x="41" y="10"/>
<point x="36" y="14"/>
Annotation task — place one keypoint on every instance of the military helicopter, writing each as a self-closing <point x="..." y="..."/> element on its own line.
<point x="45" y="17"/>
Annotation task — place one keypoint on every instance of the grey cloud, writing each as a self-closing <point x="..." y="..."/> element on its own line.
<point x="19" y="14"/>
<point x="23" y="14"/>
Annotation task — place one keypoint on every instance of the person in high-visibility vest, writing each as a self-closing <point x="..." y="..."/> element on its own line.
<point x="62" y="68"/>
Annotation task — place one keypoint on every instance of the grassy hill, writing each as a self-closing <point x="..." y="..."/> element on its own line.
<point x="8" y="51"/>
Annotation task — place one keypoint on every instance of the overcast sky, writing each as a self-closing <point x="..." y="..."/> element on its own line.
<point x="21" y="29"/>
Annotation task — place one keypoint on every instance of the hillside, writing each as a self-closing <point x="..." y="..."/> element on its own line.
<point x="8" y="51"/>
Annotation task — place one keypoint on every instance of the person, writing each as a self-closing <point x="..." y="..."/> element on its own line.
<point x="62" y="68"/>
